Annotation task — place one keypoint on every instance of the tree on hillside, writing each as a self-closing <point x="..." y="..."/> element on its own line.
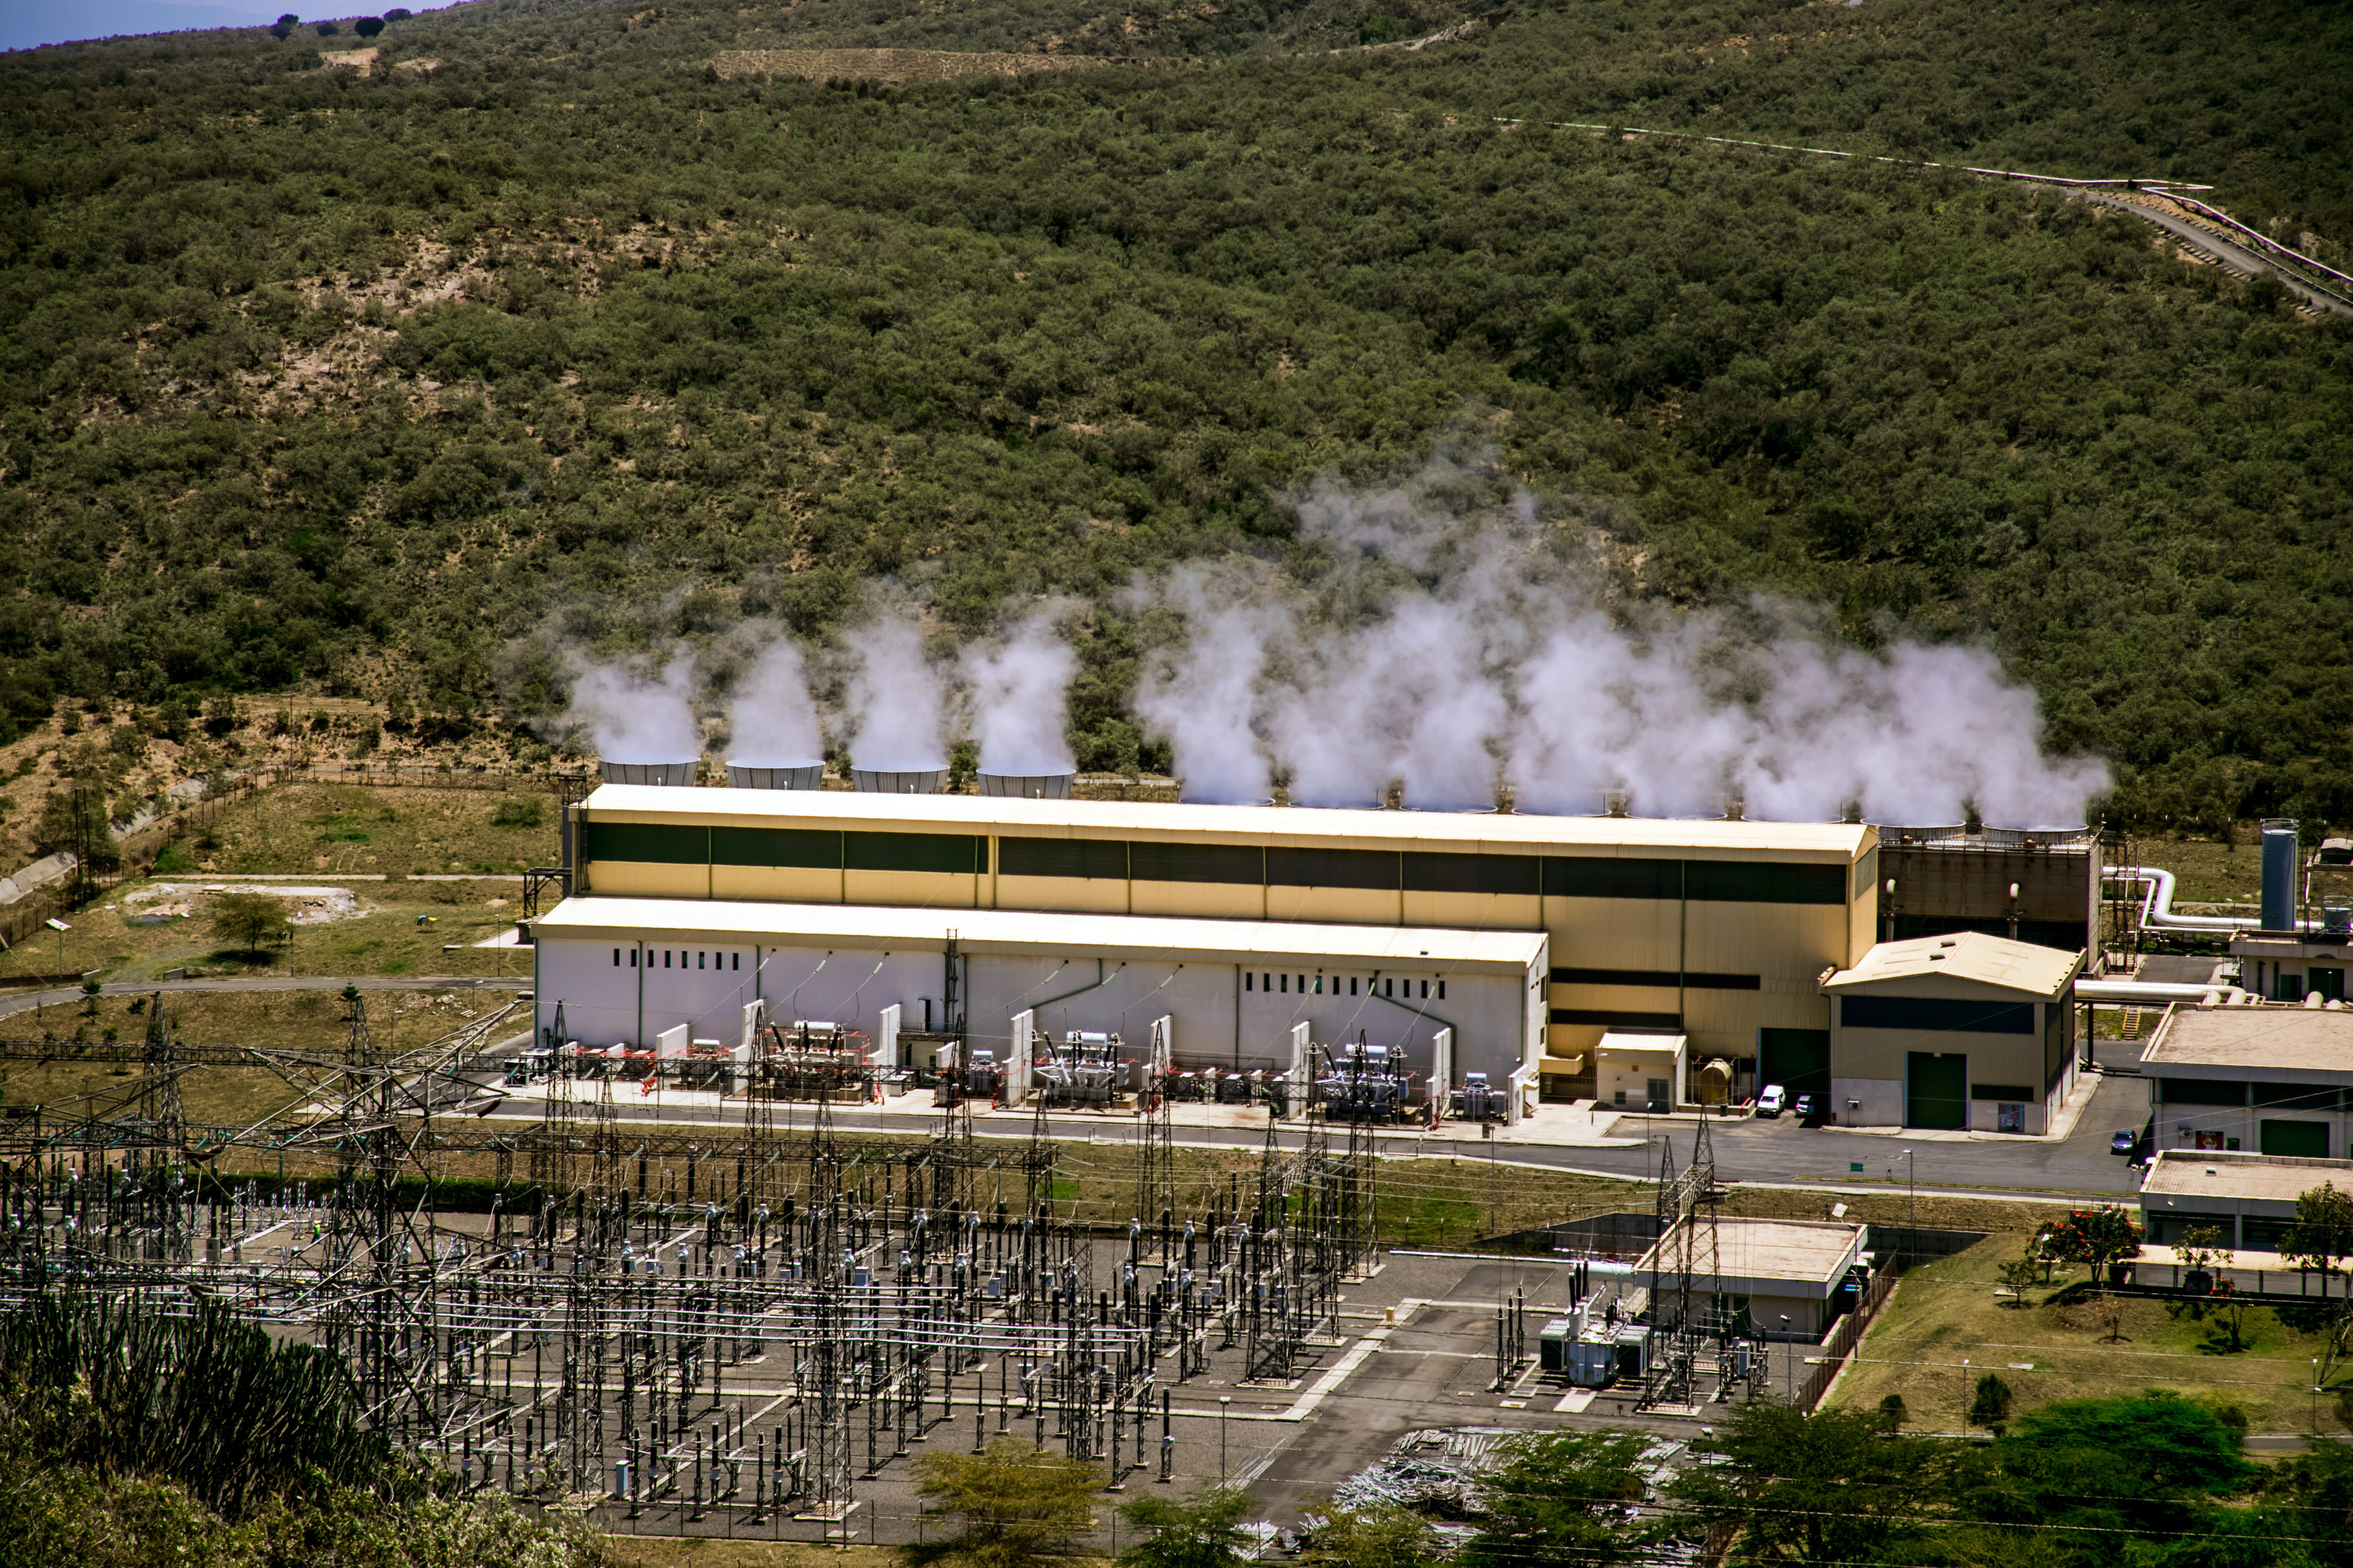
<point x="328" y="29"/>
<point x="248" y="922"/>
<point x="2322" y="1237"/>
<point x="2096" y="1237"/>
<point x="368" y="26"/>
<point x="1552" y="1501"/>
<point x="1017" y="1507"/>
<point x="1831" y="1487"/>
<point x="1386" y="1536"/>
<point x="2146" y="1462"/>
<point x="2023" y="1270"/>
<point x="1989" y="1406"/>
<point x="2101" y="1238"/>
<point x="1200" y="1531"/>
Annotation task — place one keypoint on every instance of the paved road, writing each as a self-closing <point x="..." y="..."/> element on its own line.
<point x="2243" y="260"/>
<point x="1778" y="1152"/>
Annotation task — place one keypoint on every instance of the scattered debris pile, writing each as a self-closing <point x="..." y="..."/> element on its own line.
<point x="1434" y="1471"/>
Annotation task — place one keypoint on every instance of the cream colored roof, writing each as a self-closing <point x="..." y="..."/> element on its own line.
<point x="2254" y="1037"/>
<point x="1422" y="947"/>
<point x="1762" y="1250"/>
<point x="2247" y="1178"/>
<point x="1964" y="955"/>
<point x="1501" y="832"/>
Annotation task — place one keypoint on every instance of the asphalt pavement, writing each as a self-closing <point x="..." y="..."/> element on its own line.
<point x="1773" y="1151"/>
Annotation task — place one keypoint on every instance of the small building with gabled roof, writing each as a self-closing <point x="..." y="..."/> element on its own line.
<point x="1964" y="1031"/>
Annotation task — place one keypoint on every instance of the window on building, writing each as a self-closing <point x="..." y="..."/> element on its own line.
<point x="1352" y="986"/>
<point x="1442" y="991"/>
<point x="1286" y="985"/>
<point x="1249" y="981"/>
<point x="736" y="961"/>
<point x="617" y="958"/>
<point x="665" y="958"/>
<point x="1303" y="986"/>
<point x="1425" y="990"/>
<point x="633" y="958"/>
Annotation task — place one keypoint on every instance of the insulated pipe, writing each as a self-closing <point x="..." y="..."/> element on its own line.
<point x="2153" y="991"/>
<point x="2156" y="904"/>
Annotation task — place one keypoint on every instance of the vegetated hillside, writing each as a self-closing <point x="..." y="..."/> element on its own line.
<point x="353" y="378"/>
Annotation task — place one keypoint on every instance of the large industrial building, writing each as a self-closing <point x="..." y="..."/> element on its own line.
<point x="1716" y="930"/>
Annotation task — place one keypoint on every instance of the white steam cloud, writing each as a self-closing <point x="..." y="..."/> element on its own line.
<point x="1204" y="697"/>
<point x="634" y="716"/>
<point x="1016" y="694"/>
<point x="774" y="720"/>
<point x="897" y="710"/>
<point x="1450" y="657"/>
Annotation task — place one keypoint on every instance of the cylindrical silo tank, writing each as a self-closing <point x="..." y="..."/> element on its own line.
<point x="677" y="774"/>
<point x="1027" y="786"/>
<point x="1715" y="1083"/>
<point x="899" y="781"/>
<point x="2279" y="875"/>
<point x="776" y="775"/>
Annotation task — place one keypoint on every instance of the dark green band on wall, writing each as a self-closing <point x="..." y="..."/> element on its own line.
<point x="659" y="843"/>
<point x="809" y="849"/>
<point x="957" y="854"/>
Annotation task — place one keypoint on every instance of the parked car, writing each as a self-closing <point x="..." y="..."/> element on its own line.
<point x="1770" y="1102"/>
<point x="2121" y="1141"/>
<point x="1803" y="1108"/>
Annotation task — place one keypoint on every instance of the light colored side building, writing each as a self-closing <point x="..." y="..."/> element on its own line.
<point x="2250" y="1198"/>
<point x="1961" y="1031"/>
<point x="2256" y="1078"/>
<point x="629" y="969"/>
<point x="1783" y="1275"/>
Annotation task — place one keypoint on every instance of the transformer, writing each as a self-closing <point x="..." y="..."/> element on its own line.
<point x="1085" y="1068"/>
<point x="1365" y="1082"/>
<point x="1477" y="1099"/>
<point x="982" y="1077"/>
<point x="811" y="1059"/>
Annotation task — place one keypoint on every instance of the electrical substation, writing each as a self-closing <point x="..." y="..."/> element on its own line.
<point x="762" y="1188"/>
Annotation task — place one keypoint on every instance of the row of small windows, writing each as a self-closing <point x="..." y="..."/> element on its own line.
<point x="1373" y="871"/>
<point x="703" y="958"/>
<point x="1388" y="986"/>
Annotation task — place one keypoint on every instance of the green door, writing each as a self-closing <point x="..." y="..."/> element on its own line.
<point x="1797" y="1059"/>
<point x="1936" y="1091"/>
<point x="2300" y="1140"/>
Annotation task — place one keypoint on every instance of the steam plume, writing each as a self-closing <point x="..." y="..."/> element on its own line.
<point x="1204" y="696"/>
<point x="1445" y="645"/>
<point x="894" y="698"/>
<point x="775" y="722"/>
<point x="636" y="717"/>
<point x="1017" y="696"/>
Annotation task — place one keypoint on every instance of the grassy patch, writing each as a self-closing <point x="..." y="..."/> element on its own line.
<point x="310" y="1020"/>
<point x="331" y="827"/>
<point x="2056" y="1346"/>
<point x="401" y="929"/>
